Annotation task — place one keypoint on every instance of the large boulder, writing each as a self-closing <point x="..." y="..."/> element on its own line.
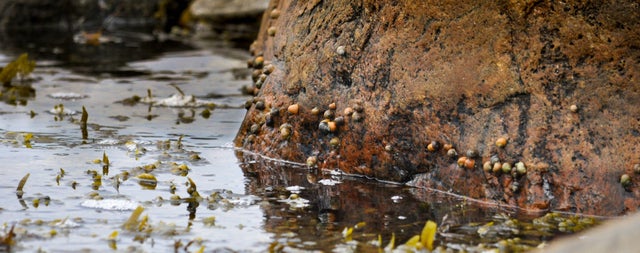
<point x="558" y="81"/>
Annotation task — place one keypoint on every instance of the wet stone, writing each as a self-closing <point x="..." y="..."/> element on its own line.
<point x="504" y="94"/>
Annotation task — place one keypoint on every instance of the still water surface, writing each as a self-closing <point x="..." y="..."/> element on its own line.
<point x="254" y="206"/>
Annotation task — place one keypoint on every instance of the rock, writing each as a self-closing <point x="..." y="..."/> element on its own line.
<point x="463" y="75"/>
<point x="228" y="9"/>
<point x="613" y="236"/>
<point x="237" y="21"/>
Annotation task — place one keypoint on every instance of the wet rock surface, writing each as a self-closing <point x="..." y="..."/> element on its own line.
<point x="557" y="81"/>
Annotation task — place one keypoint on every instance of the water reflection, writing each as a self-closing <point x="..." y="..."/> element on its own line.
<point x="108" y="58"/>
<point x="337" y="201"/>
<point x="17" y="94"/>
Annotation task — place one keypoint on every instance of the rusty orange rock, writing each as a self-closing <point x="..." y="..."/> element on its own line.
<point x="463" y="73"/>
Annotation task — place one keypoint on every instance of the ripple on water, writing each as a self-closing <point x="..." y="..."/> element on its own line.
<point x="67" y="95"/>
<point x="110" y="204"/>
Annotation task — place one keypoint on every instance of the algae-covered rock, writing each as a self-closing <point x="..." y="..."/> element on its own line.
<point x="553" y="85"/>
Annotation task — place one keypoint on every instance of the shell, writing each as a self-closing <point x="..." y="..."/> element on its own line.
<point x="357" y="116"/>
<point x="625" y="180"/>
<point x="315" y="111"/>
<point x="348" y="111"/>
<point x="293" y="109"/>
<point x="452" y="152"/>
<point x="275" y="111"/>
<point x="520" y="168"/>
<point x="472" y="153"/>
<point x="447" y="146"/>
<point x="461" y="161"/>
<point x="506" y="167"/>
<point x="250" y="139"/>
<point x="329" y="114"/>
<point x="332" y="106"/>
<point x="274" y="14"/>
<point x="334" y="142"/>
<point x="469" y="163"/>
<point x="312" y="161"/>
<point x="285" y="131"/>
<point x="497" y="167"/>
<point x="255" y="75"/>
<point x="260" y="105"/>
<point x="324" y="126"/>
<point x="268" y="120"/>
<point x="433" y="146"/>
<point x="268" y="69"/>
<point x="487" y="166"/>
<point x="332" y="126"/>
<point x="271" y="31"/>
<point x="501" y="142"/>
<point x="255" y="128"/>
<point x="494" y="159"/>
<point x="258" y="62"/>
<point x="573" y="108"/>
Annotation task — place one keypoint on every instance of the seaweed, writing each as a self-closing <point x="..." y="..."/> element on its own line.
<point x="20" y="67"/>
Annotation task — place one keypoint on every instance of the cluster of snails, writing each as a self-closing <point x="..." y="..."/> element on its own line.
<point x="493" y="165"/>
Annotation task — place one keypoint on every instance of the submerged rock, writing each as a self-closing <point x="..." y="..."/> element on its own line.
<point x="232" y="20"/>
<point x="552" y="85"/>
<point x="228" y="9"/>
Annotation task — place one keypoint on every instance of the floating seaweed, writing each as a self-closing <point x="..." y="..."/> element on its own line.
<point x="23" y="181"/>
<point x="20" y="67"/>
